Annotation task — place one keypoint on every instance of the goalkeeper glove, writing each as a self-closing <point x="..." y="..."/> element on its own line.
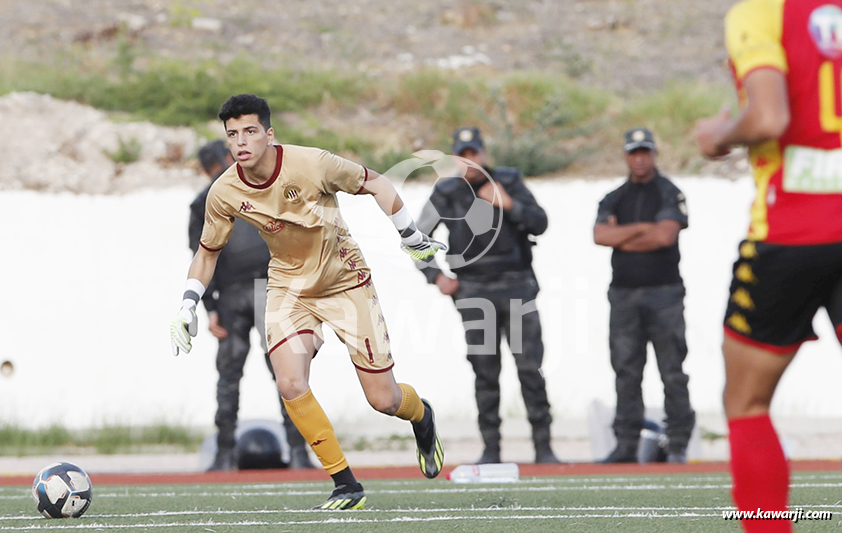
<point x="424" y="250"/>
<point x="184" y="325"/>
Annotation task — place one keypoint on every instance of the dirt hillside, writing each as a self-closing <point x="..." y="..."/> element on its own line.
<point x="627" y="46"/>
<point x="618" y="44"/>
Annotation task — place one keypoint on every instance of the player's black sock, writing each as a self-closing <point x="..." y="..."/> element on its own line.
<point x="346" y="489"/>
<point x="345" y="478"/>
<point x="423" y="429"/>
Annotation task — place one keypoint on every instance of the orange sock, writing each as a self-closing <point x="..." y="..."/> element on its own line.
<point x="311" y="420"/>
<point x="411" y="407"/>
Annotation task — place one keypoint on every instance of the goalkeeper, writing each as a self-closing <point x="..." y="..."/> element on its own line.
<point x="317" y="275"/>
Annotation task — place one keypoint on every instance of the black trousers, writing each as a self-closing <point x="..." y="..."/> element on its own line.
<point x="487" y="319"/>
<point x="640" y="316"/>
<point x="236" y="308"/>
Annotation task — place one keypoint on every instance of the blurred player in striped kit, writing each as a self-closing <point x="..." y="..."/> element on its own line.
<point x="786" y="57"/>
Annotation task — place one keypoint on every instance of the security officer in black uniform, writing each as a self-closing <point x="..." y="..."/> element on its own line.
<point x="641" y="220"/>
<point x="230" y="303"/>
<point x="494" y="268"/>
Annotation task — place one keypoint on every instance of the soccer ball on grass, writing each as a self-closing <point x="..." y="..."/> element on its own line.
<point x="62" y="490"/>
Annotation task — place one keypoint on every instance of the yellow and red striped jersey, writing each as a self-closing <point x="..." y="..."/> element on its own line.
<point x="799" y="175"/>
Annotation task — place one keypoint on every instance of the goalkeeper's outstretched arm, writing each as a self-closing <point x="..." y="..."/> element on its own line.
<point x="413" y="241"/>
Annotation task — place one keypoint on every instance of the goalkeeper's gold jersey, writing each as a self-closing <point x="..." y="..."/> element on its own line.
<point x="312" y="251"/>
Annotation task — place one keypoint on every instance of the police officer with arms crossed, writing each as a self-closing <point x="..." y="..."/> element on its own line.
<point x="230" y="303"/>
<point x="641" y="220"/>
<point x="496" y="268"/>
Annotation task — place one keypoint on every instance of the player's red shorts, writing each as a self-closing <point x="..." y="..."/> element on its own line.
<point x="776" y="291"/>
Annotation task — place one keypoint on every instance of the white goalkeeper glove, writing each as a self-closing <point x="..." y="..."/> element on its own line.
<point x="184" y="325"/>
<point x="424" y="250"/>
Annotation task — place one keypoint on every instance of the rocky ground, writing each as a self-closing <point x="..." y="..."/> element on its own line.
<point x="619" y="44"/>
<point x="72" y="147"/>
<point x="627" y="46"/>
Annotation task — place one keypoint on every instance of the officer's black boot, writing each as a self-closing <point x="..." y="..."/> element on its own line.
<point x="491" y="453"/>
<point x="543" y="451"/>
<point x="226" y="459"/>
<point x="226" y="453"/>
<point x="625" y="452"/>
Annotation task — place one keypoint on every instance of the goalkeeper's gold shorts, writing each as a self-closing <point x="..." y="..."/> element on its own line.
<point x="355" y="315"/>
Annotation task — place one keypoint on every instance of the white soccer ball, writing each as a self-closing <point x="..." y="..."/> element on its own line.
<point x="62" y="490"/>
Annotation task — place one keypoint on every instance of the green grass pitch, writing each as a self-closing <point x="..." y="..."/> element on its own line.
<point x="631" y="503"/>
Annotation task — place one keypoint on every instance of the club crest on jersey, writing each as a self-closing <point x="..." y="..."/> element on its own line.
<point x="292" y="192"/>
<point x="826" y="30"/>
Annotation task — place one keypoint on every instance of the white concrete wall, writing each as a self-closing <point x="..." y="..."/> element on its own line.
<point x="88" y="285"/>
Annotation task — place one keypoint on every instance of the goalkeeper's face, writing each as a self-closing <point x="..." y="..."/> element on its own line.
<point x="248" y="140"/>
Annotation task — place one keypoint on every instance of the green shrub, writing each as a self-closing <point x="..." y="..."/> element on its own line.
<point x="128" y="151"/>
<point x="441" y="97"/>
<point x="671" y="114"/>
<point x="547" y="112"/>
<point x="107" y="439"/>
<point x="538" y="122"/>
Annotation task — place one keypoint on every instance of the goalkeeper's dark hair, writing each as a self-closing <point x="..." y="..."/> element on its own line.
<point x="246" y="104"/>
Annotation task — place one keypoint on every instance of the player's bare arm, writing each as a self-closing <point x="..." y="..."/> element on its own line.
<point x="203" y="265"/>
<point x="764" y="118"/>
<point x="662" y="234"/>
<point x="384" y="192"/>
<point x="615" y="235"/>
<point x="419" y="246"/>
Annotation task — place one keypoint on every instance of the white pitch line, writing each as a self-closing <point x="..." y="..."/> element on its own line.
<point x="211" y="523"/>
<point x="507" y="488"/>
<point x="565" y="509"/>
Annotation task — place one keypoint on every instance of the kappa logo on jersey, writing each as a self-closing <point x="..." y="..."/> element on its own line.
<point x="273" y="226"/>
<point x="246" y="207"/>
<point x="826" y="30"/>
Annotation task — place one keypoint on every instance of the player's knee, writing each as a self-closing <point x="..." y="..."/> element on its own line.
<point x="738" y="404"/>
<point x="384" y="403"/>
<point x="292" y="387"/>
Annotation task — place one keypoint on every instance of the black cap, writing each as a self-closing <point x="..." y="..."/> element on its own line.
<point x="465" y="138"/>
<point x="638" y="138"/>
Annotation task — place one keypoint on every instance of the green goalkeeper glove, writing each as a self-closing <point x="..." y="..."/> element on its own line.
<point x="184" y="325"/>
<point x="424" y="250"/>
